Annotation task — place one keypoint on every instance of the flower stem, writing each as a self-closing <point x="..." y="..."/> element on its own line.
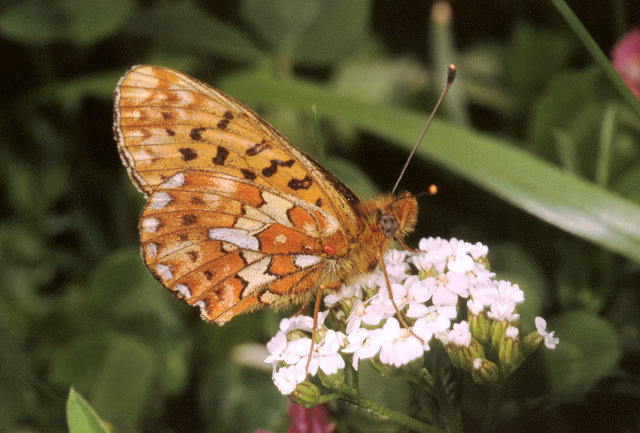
<point x="351" y="395"/>
<point x="491" y="415"/>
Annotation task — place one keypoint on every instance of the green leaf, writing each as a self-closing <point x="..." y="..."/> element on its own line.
<point x="96" y="19"/>
<point x="34" y="22"/>
<point x="524" y="180"/>
<point x="308" y="31"/>
<point x="81" y="418"/>
<point x="123" y="380"/>
<point x="589" y="349"/>
<point x="239" y="399"/>
<point x="186" y="26"/>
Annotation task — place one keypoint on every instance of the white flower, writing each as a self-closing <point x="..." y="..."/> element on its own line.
<point x="304" y="323"/>
<point x="325" y="356"/>
<point x="287" y="378"/>
<point x="478" y="251"/>
<point x="431" y="320"/>
<point x="459" y="260"/>
<point x="290" y="353"/>
<point x="379" y="308"/>
<point x="396" y="264"/>
<point x="510" y="292"/>
<point x="512" y="332"/>
<point x="460" y="335"/>
<point x="349" y="291"/>
<point x="447" y="287"/>
<point x="355" y="318"/>
<point x="399" y="346"/>
<point x="479" y="276"/>
<point x="436" y="254"/>
<point x="503" y="310"/>
<point x="364" y="344"/>
<point x="276" y="347"/>
<point x="549" y="340"/>
<point x="475" y="307"/>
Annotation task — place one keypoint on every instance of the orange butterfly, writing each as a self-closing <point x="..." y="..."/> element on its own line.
<point x="237" y="217"/>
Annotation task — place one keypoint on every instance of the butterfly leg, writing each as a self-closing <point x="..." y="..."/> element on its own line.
<point x="316" y="311"/>
<point x="301" y="309"/>
<point x="393" y="302"/>
<point x="405" y="246"/>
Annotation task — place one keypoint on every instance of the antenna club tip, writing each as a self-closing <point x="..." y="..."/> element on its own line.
<point x="451" y="75"/>
<point x="433" y="189"/>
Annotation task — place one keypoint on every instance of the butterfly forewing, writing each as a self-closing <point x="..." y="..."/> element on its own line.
<point x="167" y="122"/>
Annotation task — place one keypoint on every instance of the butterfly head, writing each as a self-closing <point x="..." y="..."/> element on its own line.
<point x="397" y="215"/>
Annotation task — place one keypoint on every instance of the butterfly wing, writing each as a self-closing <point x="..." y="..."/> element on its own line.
<point x="166" y="122"/>
<point x="230" y="245"/>
<point x="237" y="216"/>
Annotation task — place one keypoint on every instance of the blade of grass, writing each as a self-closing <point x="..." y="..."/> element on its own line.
<point x="560" y="198"/>
<point x="597" y="54"/>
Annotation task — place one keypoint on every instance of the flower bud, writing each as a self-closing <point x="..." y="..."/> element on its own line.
<point x="306" y="394"/>
<point x="497" y="332"/>
<point x="530" y="343"/>
<point x="509" y="351"/>
<point x="485" y="372"/>
<point x="470" y="353"/>
<point x="332" y="381"/>
<point x="480" y="326"/>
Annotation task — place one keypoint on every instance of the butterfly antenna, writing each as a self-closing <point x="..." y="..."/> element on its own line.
<point x="450" y="77"/>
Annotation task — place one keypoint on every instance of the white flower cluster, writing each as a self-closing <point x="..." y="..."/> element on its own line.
<point x="448" y="271"/>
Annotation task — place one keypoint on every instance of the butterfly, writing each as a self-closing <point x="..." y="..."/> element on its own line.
<point x="237" y="217"/>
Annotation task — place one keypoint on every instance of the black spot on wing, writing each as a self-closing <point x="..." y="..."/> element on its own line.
<point x="221" y="156"/>
<point x="248" y="174"/>
<point x="189" y="219"/>
<point x="196" y="134"/>
<point x="226" y="118"/>
<point x="273" y="168"/>
<point x="319" y="202"/>
<point x="296" y="184"/>
<point x="196" y="200"/>
<point x="170" y="132"/>
<point x="257" y="148"/>
<point x="188" y="154"/>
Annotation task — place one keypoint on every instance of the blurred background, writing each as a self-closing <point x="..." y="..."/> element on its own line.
<point x="535" y="153"/>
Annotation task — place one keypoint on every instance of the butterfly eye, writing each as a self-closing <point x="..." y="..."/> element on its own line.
<point x="388" y="224"/>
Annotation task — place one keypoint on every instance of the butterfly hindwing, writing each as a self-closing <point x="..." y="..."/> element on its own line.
<point x="228" y="245"/>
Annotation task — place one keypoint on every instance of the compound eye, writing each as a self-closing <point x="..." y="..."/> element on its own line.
<point x="388" y="224"/>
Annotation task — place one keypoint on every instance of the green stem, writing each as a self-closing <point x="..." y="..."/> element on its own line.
<point x="491" y="415"/>
<point x="597" y="54"/>
<point x="351" y="395"/>
<point x="450" y="414"/>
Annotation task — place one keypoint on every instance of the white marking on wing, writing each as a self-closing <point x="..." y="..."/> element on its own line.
<point x="238" y="237"/>
<point x="305" y="260"/>
<point x="251" y="256"/>
<point x="256" y="275"/>
<point x="276" y="207"/>
<point x="175" y="182"/>
<point x="269" y="297"/>
<point x="248" y="224"/>
<point x="150" y="225"/>
<point x="159" y="200"/>
<point x="164" y="271"/>
<point x="152" y="250"/>
<point x="183" y="290"/>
